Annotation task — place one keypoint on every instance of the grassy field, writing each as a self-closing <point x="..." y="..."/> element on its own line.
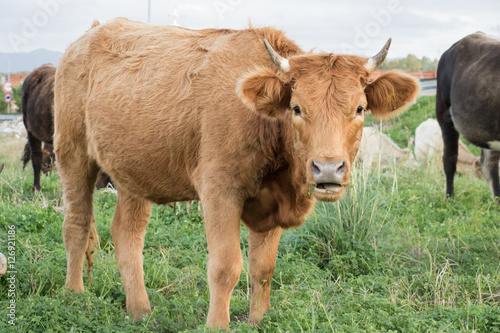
<point x="391" y="256"/>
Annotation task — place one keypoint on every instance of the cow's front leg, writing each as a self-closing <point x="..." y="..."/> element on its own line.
<point x="450" y="142"/>
<point x="128" y="229"/>
<point x="262" y="261"/>
<point x="222" y="223"/>
<point x="78" y="175"/>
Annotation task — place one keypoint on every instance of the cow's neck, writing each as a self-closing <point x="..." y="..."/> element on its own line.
<point x="283" y="198"/>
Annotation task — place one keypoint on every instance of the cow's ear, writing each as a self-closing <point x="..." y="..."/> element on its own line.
<point x="391" y="93"/>
<point x="264" y="92"/>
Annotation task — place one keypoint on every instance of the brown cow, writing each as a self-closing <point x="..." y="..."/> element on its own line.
<point x="37" y="103"/>
<point x="210" y="117"/>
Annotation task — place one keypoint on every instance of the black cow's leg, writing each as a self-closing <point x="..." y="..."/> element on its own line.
<point x="489" y="163"/>
<point x="450" y="140"/>
<point x="36" y="159"/>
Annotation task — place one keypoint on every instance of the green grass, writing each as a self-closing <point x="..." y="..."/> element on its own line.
<point x="391" y="256"/>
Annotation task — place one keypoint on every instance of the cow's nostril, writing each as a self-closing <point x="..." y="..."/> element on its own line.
<point x="341" y="169"/>
<point x="315" y="168"/>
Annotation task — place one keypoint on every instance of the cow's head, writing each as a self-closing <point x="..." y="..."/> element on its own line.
<point x="327" y="96"/>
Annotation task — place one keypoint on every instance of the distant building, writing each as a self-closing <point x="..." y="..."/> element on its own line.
<point x="16" y="79"/>
<point x="421" y="75"/>
<point x="426" y="79"/>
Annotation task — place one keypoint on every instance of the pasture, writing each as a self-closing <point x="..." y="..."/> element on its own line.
<point x="391" y="256"/>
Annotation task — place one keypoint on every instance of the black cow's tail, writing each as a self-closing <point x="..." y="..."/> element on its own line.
<point x="26" y="154"/>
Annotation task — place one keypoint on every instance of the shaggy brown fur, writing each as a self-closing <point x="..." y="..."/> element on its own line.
<point x="174" y="114"/>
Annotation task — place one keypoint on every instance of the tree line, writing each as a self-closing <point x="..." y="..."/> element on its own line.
<point x="411" y="63"/>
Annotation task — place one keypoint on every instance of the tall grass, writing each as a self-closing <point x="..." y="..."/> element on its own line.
<point x="344" y="234"/>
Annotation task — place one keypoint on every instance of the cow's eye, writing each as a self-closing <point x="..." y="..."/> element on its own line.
<point x="359" y="110"/>
<point x="296" y="110"/>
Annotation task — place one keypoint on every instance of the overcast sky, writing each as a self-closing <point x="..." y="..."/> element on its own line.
<point x="422" y="27"/>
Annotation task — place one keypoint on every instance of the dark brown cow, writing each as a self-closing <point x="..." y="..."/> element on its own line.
<point x="37" y="103"/>
<point x="174" y="114"/>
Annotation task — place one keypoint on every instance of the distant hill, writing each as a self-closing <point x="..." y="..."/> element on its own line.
<point x="26" y="62"/>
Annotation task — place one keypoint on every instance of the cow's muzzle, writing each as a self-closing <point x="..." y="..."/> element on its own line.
<point x="330" y="179"/>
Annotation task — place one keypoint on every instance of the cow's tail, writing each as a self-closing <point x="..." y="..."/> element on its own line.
<point x="26" y="154"/>
<point x="92" y="247"/>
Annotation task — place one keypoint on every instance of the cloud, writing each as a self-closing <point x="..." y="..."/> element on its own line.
<point x="425" y="27"/>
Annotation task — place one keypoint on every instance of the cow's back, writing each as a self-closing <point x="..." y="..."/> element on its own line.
<point x="151" y="96"/>
<point x="468" y="83"/>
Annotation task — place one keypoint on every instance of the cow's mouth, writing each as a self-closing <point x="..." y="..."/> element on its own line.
<point x="329" y="188"/>
<point x="328" y="192"/>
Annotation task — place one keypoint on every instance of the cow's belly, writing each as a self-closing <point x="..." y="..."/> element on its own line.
<point x="159" y="187"/>
<point x="475" y="104"/>
<point x="480" y="127"/>
<point x="150" y="159"/>
<point x="159" y="184"/>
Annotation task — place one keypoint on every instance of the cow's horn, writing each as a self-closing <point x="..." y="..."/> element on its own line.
<point x="278" y="61"/>
<point x="379" y="58"/>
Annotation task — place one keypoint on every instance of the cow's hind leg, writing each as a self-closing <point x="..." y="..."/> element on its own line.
<point x="222" y="223"/>
<point x="450" y="141"/>
<point x="489" y="163"/>
<point x="262" y="261"/>
<point x="78" y="176"/>
<point x="36" y="160"/>
<point x="128" y="229"/>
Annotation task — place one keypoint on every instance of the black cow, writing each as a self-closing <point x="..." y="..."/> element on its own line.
<point x="468" y="103"/>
